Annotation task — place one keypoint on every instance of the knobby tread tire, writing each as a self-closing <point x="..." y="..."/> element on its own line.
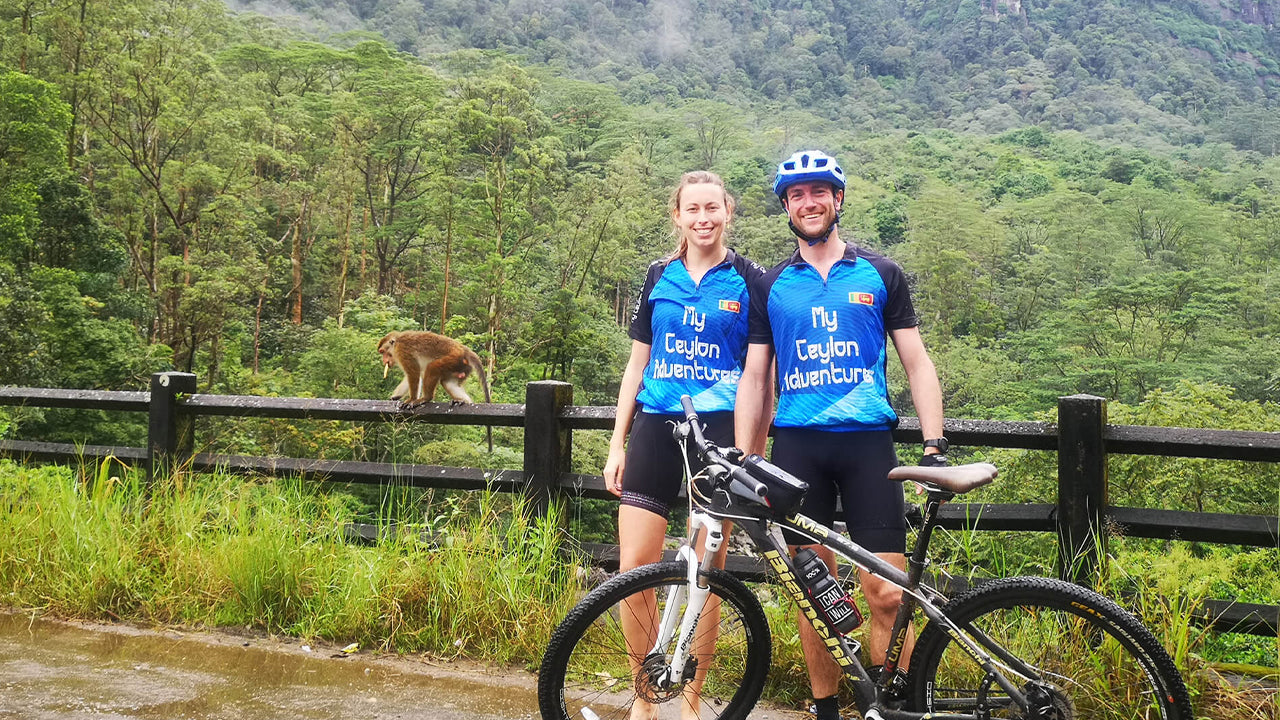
<point x="1035" y="594"/>
<point x="601" y="601"/>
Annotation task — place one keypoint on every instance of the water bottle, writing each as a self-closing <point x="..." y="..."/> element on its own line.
<point x="826" y="593"/>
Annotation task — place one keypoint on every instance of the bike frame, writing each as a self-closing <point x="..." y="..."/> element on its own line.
<point x="871" y="696"/>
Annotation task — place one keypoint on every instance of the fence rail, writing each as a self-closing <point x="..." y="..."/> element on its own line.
<point x="1082" y="518"/>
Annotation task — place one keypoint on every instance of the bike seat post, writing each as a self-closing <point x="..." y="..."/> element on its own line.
<point x="916" y="563"/>
<point x="919" y="554"/>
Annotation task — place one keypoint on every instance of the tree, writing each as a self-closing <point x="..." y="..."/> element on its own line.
<point x="32" y="122"/>
<point x="155" y="103"/>
<point x="952" y="250"/>
<point x="511" y="158"/>
<point x="386" y="117"/>
<point x="713" y="129"/>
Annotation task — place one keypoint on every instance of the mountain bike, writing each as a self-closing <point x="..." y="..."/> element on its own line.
<point x="1030" y="648"/>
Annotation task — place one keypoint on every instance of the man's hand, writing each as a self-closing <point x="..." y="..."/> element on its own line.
<point x="933" y="460"/>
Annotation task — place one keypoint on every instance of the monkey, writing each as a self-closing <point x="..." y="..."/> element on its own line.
<point x="429" y="360"/>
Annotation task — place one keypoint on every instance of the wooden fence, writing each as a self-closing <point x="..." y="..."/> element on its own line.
<point x="1082" y="439"/>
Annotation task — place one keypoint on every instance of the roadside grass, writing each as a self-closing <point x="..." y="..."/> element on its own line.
<point x="468" y="576"/>
<point x="270" y="555"/>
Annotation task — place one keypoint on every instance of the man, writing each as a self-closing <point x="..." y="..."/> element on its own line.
<point x="827" y="311"/>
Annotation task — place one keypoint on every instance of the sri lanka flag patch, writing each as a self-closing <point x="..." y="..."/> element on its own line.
<point x="862" y="298"/>
<point x="732" y="306"/>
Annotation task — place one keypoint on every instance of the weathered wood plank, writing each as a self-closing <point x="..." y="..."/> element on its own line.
<point x="1247" y="618"/>
<point x="498" y="414"/>
<point x="77" y="399"/>
<point x="987" y="516"/>
<point x="425" y="476"/>
<point x="1227" y="528"/>
<point x="1193" y="442"/>
<point x="985" y="433"/>
<point x="67" y="453"/>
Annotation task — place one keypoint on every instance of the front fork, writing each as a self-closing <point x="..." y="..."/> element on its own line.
<point x="696" y="588"/>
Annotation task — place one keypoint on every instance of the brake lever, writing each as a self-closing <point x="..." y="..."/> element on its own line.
<point x="682" y="431"/>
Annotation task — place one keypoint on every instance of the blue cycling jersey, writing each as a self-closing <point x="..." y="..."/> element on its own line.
<point x="830" y="338"/>
<point x="696" y="332"/>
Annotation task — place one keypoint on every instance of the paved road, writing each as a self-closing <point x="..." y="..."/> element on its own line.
<point x="65" y="671"/>
<point x="68" y="671"/>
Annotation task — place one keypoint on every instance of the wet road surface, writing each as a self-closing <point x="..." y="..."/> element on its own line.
<point x="61" y="670"/>
<point x="65" y="671"/>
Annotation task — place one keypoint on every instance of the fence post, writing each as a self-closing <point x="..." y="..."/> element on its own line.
<point x="547" y="445"/>
<point x="1082" y="486"/>
<point x="165" y="439"/>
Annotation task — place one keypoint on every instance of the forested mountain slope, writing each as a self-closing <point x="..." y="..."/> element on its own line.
<point x="1182" y="70"/>
<point x="185" y="186"/>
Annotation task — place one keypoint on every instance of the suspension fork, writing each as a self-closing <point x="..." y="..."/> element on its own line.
<point x="695" y="587"/>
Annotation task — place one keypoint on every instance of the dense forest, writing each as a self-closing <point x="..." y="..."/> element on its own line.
<point x="1170" y="72"/>
<point x="1083" y="192"/>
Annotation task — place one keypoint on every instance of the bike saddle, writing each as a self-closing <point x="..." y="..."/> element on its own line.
<point x="957" y="478"/>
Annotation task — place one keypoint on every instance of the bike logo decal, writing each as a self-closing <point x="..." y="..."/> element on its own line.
<point x="788" y="580"/>
<point x="811" y="528"/>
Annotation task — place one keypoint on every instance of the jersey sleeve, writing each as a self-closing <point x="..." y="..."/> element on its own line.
<point x="641" y="328"/>
<point x="899" y="312"/>
<point x="759" y="327"/>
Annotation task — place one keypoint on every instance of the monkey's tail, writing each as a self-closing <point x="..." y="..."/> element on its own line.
<point x="478" y="366"/>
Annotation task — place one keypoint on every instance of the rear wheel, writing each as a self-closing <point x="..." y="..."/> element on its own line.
<point x="1087" y="657"/>
<point x="588" y="672"/>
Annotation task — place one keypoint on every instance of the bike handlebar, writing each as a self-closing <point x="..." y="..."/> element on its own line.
<point x="740" y="482"/>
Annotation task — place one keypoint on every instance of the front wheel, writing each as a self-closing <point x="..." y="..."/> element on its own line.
<point x="1087" y="657"/>
<point x="589" y="673"/>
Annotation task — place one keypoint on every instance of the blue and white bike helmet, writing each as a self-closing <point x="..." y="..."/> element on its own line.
<point x="807" y="166"/>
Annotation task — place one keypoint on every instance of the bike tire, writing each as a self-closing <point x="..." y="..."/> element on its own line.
<point x="1098" y="660"/>
<point x="586" y="664"/>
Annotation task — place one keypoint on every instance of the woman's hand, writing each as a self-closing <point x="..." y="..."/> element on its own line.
<point x="613" y="468"/>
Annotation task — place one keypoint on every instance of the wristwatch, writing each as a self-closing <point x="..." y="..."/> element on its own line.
<point x="940" y="443"/>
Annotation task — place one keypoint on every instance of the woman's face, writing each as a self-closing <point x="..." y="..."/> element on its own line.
<point x="702" y="215"/>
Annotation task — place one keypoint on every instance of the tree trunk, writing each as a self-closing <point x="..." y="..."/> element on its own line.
<point x="295" y="264"/>
<point x="295" y="261"/>
<point x="448" y="258"/>
<point x="364" y="255"/>
<point x="257" y="326"/>
<point x="342" y="273"/>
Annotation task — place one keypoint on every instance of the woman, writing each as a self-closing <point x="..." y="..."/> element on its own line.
<point x="689" y="337"/>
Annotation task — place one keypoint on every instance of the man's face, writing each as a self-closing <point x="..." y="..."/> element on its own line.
<point x="812" y="206"/>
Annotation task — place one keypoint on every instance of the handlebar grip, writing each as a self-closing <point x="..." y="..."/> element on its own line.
<point x="754" y="486"/>
<point x="686" y="403"/>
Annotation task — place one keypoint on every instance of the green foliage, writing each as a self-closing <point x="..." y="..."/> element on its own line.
<point x="341" y="362"/>
<point x="215" y="550"/>
<point x="299" y="198"/>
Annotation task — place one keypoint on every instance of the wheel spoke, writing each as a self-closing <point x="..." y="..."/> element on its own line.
<point x="1091" y="658"/>
<point x="589" y="671"/>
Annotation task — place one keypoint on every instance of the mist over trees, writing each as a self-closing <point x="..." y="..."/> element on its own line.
<point x="1185" y="70"/>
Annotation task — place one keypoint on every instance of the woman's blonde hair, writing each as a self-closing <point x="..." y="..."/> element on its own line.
<point x="695" y="177"/>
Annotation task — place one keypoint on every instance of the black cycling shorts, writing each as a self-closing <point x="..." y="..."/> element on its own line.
<point x="853" y="466"/>
<point x="654" y="473"/>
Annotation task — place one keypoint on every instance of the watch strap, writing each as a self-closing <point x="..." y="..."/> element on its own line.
<point x="940" y="443"/>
